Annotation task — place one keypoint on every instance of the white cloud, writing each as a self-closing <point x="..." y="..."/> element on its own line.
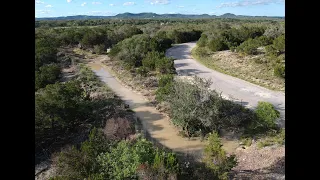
<point x="83" y="4"/>
<point x="48" y="6"/>
<point x="155" y="2"/>
<point x="128" y="3"/>
<point x="111" y="5"/>
<point x="69" y="1"/>
<point x="248" y="3"/>
<point x="180" y="6"/>
<point x="43" y="11"/>
<point x="96" y="3"/>
<point x="39" y="2"/>
<point x="100" y="13"/>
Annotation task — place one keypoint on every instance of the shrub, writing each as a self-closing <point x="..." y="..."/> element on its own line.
<point x="59" y="105"/>
<point x="165" y="85"/>
<point x="266" y="114"/>
<point x="201" y="51"/>
<point x="217" y="44"/>
<point x="248" y="47"/>
<point x="165" y="166"/>
<point x="277" y="138"/>
<point x="203" y="40"/>
<point x="142" y="71"/>
<point x="165" y="79"/>
<point x="124" y="159"/>
<point x="81" y="163"/>
<point x="274" y="31"/>
<point x="149" y="60"/>
<point x="279" y="44"/>
<point x="264" y="41"/>
<point x="216" y="159"/>
<point x="99" y="49"/>
<point x="165" y="65"/>
<point x="194" y="107"/>
<point x="47" y="74"/>
<point x="279" y="70"/>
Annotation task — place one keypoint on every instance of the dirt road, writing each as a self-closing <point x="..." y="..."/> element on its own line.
<point x="231" y="88"/>
<point x="157" y="125"/>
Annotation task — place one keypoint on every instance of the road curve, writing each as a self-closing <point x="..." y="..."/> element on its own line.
<point x="158" y="126"/>
<point x="231" y="88"/>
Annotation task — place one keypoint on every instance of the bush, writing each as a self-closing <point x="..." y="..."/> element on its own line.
<point x="248" y="47"/>
<point x="47" y="74"/>
<point x="165" y="85"/>
<point x="142" y="71"/>
<point x="150" y="59"/>
<point x="201" y="51"/>
<point x="60" y="105"/>
<point x="264" y="41"/>
<point x="81" y="163"/>
<point x="99" y="49"/>
<point x="279" y="70"/>
<point x="274" y="31"/>
<point x="165" y="65"/>
<point x="275" y="138"/>
<point x="194" y="107"/>
<point x="216" y="159"/>
<point x="266" y="114"/>
<point x="123" y="160"/>
<point x="217" y="44"/>
<point x="203" y="40"/>
<point x="279" y="44"/>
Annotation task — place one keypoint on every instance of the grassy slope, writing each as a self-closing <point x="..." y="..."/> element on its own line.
<point x="242" y="68"/>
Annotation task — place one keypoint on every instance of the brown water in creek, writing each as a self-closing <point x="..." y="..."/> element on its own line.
<point x="157" y="125"/>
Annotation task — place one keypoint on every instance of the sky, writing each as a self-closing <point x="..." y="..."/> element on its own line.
<point x="55" y="8"/>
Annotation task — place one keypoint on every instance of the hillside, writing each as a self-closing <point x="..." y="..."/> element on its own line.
<point x="154" y="15"/>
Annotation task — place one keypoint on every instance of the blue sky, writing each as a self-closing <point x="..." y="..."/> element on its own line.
<point x="54" y="8"/>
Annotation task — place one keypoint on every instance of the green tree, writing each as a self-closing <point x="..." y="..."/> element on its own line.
<point x="47" y="74"/>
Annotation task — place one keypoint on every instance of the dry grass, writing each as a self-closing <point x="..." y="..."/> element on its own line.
<point x="248" y="68"/>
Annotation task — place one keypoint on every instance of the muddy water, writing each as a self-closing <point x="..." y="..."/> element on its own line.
<point x="157" y="125"/>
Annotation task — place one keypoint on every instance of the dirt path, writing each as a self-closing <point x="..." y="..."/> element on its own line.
<point x="232" y="88"/>
<point x="157" y="125"/>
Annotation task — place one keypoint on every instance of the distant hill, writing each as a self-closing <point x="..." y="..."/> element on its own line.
<point x="153" y="16"/>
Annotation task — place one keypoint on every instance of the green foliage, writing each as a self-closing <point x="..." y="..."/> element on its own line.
<point x="274" y="31"/>
<point x="47" y="74"/>
<point x="200" y="51"/>
<point x="279" y="44"/>
<point x="194" y="107"/>
<point x="217" y="44"/>
<point x="165" y="85"/>
<point x="46" y="52"/>
<point x="81" y="163"/>
<point x="124" y="159"/>
<point x="275" y="138"/>
<point x="203" y="40"/>
<point x="248" y="47"/>
<point x="279" y="70"/>
<point x="142" y="71"/>
<point x="90" y="39"/>
<point x="150" y="59"/>
<point x="247" y="141"/>
<point x="264" y="40"/>
<point x="184" y="36"/>
<point x="216" y="159"/>
<point x="59" y="104"/>
<point x="165" y="65"/>
<point x="99" y="49"/>
<point x="133" y="50"/>
<point x="266" y="115"/>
